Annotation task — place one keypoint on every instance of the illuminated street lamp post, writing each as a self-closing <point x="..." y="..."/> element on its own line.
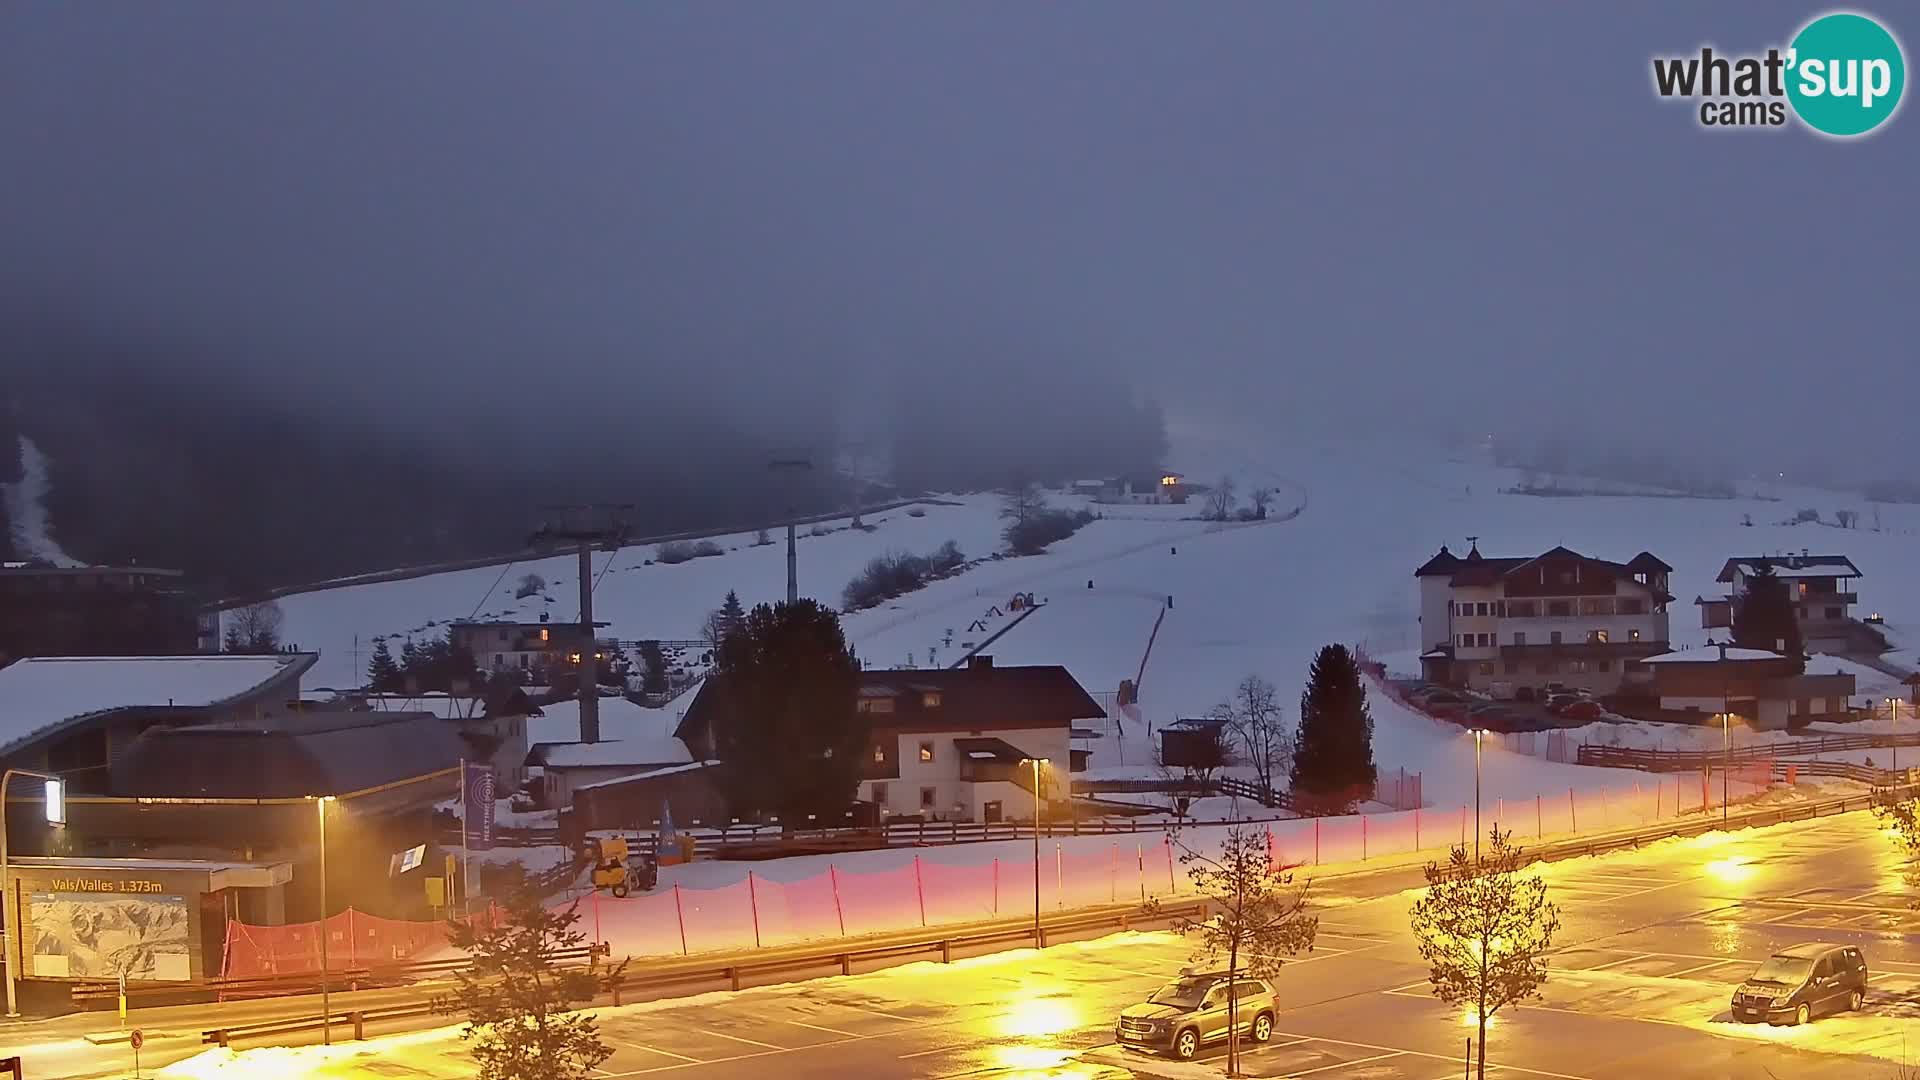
<point x="1038" y="808"/>
<point x="1478" y="735"/>
<point x="1894" y="704"/>
<point x="326" y="996"/>
<point x="1727" y="758"/>
<point x="56" y="815"/>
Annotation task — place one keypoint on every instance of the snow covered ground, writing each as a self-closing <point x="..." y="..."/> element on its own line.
<point x="1245" y="598"/>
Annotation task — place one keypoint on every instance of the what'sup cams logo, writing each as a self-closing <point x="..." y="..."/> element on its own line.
<point x="1842" y="76"/>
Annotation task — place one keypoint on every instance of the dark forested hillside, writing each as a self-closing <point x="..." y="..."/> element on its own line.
<point x="248" y="481"/>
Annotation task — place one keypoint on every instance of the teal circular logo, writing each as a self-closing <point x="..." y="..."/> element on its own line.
<point x="1845" y="74"/>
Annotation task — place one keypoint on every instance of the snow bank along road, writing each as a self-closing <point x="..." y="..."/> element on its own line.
<point x="1652" y="943"/>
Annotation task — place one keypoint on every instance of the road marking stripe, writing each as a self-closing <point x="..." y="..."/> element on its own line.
<point x="817" y="1027"/>
<point x="662" y="1053"/>
<point x="929" y="1053"/>
<point x="1355" y="1061"/>
<point x="738" y="1039"/>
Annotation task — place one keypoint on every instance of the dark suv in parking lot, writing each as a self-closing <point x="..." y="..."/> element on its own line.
<point x="1798" y="984"/>
<point x="1192" y="1010"/>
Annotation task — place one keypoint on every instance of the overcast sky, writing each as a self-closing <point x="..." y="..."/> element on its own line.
<point x="1463" y="213"/>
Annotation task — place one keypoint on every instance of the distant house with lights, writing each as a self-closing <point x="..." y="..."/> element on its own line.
<point x="521" y="646"/>
<point x="1821" y="587"/>
<point x="1498" y="624"/>
<point x="1158" y="487"/>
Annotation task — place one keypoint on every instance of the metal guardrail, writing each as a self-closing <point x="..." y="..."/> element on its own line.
<point x="1649" y="760"/>
<point x="734" y="971"/>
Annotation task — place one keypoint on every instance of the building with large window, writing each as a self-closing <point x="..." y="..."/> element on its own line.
<point x="1557" y="617"/>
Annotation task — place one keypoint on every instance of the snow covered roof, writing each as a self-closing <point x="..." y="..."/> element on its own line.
<point x="1711" y="655"/>
<point x="1790" y="566"/>
<point x="39" y="692"/>
<point x="619" y="719"/>
<point x="620" y="752"/>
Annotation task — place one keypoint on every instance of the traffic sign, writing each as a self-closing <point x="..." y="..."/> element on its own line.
<point x="138" y="1038"/>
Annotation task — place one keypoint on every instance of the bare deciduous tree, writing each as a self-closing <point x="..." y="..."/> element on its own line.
<point x="1254" y="716"/>
<point x="1260" y="498"/>
<point x="1259" y="920"/>
<point x="254" y="628"/>
<point x="1484" y="930"/>
<point x="1022" y="501"/>
<point x="1220" y="499"/>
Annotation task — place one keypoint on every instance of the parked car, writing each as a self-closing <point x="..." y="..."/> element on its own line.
<point x="1558" y="703"/>
<point x="1192" y="1011"/>
<point x="1583" y="709"/>
<point x="1798" y="984"/>
<point x="1523" y="693"/>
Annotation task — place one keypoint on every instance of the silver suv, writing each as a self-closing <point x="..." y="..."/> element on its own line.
<point x="1192" y="1010"/>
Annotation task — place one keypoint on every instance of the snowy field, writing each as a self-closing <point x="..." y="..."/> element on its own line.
<point x="1246" y="598"/>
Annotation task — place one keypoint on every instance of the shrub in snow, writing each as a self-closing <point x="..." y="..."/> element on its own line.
<point x="1032" y="534"/>
<point x="917" y="512"/>
<point x="897" y="573"/>
<point x="818" y="530"/>
<point x="674" y="552"/>
<point x="530" y="585"/>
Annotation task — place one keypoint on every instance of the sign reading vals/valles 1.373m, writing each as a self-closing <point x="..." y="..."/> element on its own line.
<point x="104" y="885"/>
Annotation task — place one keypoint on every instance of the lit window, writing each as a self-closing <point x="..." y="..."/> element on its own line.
<point x="930" y="700"/>
<point x="543" y="633"/>
<point x="1598" y="637"/>
<point x="926" y="751"/>
<point x="879" y="754"/>
<point x="1633" y="635"/>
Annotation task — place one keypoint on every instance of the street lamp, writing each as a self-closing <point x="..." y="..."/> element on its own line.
<point x="1727" y="760"/>
<point x="56" y="807"/>
<point x="326" y="997"/>
<point x="1478" y="734"/>
<point x="1894" y="704"/>
<point x="1038" y="809"/>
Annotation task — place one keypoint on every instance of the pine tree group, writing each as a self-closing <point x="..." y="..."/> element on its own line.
<point x="1333" y="750"/>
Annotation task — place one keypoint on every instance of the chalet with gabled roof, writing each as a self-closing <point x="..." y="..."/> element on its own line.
<point x="952" y="744"/>
<point x="1821" y="587"/>
<point x="1498" y="624"/>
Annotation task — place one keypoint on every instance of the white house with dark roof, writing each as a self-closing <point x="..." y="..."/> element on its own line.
<point x="1821" y="588"/>
<point x="1498" y="624"/>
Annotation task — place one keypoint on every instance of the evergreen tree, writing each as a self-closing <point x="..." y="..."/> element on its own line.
<point x="1333" y="750"/>
<point x="383" y="674"/>
<point x="653" y="668"/>
<point x="1764" y="619"/>
<point x="731" y="616"/>
<point x="232" y="642"/>
<point x="791" y="738"/>
<point x="519" y="1003"/>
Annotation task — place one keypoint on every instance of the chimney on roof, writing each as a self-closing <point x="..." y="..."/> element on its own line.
<point x="979" y="662"/>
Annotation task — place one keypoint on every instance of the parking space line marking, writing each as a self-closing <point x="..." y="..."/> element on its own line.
<point x="738" y="1039"/>
<point x="662" y="1053"/>
<point x="1355" y="1061"/>
<point x="928" y="1053"/>
<point x="817" y="1027"/>
<point x="1696" y="967"/>
<point x="1614" y="963"/>
<point x="1436" y="1057"/>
